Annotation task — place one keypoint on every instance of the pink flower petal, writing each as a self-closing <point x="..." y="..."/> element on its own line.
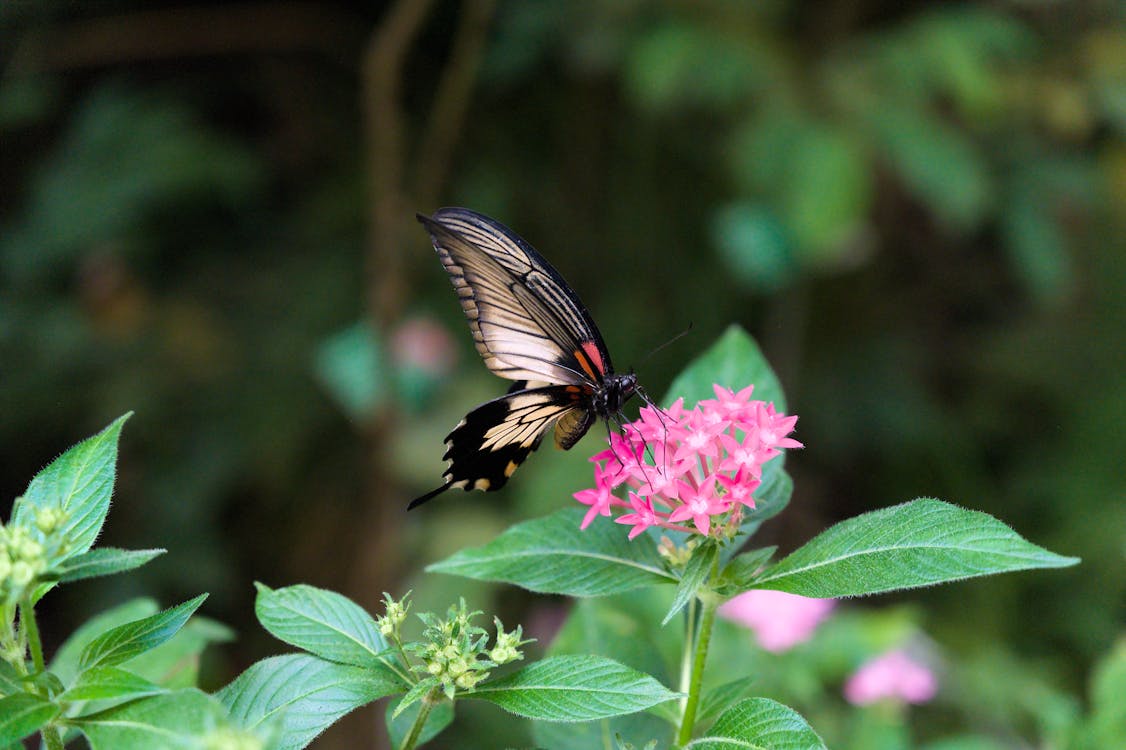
<point x="893" y="675"/>
<point x="779" y="620"/>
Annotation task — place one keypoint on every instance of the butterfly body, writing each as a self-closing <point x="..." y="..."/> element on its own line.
<point x="530" y="327"/>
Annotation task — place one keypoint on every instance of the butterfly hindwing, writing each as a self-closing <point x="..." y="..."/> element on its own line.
<point x="495" y="438"/>
<point x="526" y="321"/>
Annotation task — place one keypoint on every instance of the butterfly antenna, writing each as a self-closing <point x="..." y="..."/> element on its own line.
<point x="673" y="340"/>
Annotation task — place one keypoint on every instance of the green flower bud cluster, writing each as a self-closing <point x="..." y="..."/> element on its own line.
<point x="507" y="647"/>
<point x="22" y="559"/>
<point x="453" y="650"/>
<point x="391" y="622"/>
<point x="678" y="557"/>
<point x="454" y="653"/>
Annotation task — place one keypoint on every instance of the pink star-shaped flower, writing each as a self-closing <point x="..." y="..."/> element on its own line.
<point x="643" y="515"/>
<point x="599" y="498"/>
<point x="700" y="504"/>
<point x="674" y="462"/>
<point x="741" y="487"/>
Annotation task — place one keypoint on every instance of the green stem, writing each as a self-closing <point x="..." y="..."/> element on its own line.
<point x="686" y="656"/>
<point x="420" y="721"/>
<point x="29" y="627"/>
<point x="703" y="637"/>
<point x="52" y="739"/>
<point x="10" y="644"/>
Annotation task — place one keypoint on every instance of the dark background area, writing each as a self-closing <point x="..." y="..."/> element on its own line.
<point x="206" y="217"/>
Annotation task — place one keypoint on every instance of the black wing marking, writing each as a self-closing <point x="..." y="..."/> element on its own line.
<point x="494" y="439"/>
<point x="526" y="321"/>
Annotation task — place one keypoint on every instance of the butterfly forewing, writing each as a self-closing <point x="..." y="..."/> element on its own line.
<point x="527" y="323"/>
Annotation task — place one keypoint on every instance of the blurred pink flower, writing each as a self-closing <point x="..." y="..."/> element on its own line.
<point x="692" y="470"/>
<point x="893" y="675"/>
<point x="424" y="344"/>
<point x="779" y="620"/>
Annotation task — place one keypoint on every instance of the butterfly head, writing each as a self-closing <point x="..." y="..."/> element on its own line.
<point x="616" y="390"/>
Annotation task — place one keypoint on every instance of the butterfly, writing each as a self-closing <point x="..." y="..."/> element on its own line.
<point x="530" y="327"/>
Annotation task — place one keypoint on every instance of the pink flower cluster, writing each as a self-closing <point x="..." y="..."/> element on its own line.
<point x="891" y="676"/>
<point x="687" y="469"/>
<point x="779" y="620"/>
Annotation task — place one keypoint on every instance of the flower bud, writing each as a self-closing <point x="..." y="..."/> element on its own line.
<point x="469" y="680"/>
<point x="49" y="519"/>
<point x="30" y="549"/>
<point x="458" y="666"/>
<point x="22" y="573"/>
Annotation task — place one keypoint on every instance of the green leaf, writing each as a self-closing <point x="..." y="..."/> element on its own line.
<point x="132" y="639"/>
<point x="175" y="663"/>
<point x="11" y="681"/>
<point x="103" y="562"/>
<point x="21" y="714"/>
<point x="624" y="628"/>
<point x="179" y="720"/>
<point x="399" y="723"/>
<point x="918" y="543"/>
<point x="574" y="688"/>
<point x="639" y="729"/>
<point x="739" y="574"/>
<point x="759" y="723"/>
<point x="79" y="483"/>
<point x="552" y="555"/>
<point x="108" y="683"/>
<point x="733" y="361"/>
<point x="693" y="577"/>
<point x="716" y="700"/>
<point x="322" y="622"/>
<point x="415" y="694"/>
<point x="303" y="693"/>
<point x="65" y="663"/>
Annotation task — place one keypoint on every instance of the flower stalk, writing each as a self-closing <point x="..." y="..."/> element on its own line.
<point x="703" y="638"/>
<point x="30" y="629"/>
<point x="426" y="705"/>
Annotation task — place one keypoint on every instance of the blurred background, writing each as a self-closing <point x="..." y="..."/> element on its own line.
<point x="917" y="208"/>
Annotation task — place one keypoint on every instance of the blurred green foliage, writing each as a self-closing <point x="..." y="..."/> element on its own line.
<point x="917" y="208"/>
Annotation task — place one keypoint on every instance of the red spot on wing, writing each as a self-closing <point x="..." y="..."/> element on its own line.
<point x="595" y="356"/>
